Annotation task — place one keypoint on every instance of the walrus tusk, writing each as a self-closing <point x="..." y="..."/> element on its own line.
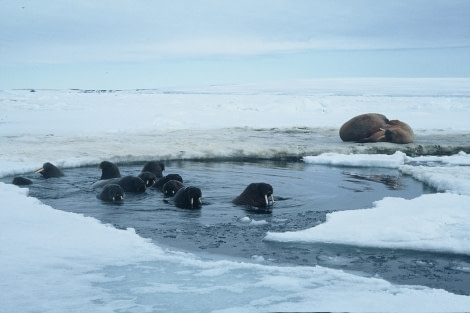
<point x="200" y="200"/>
<point x="192" y="201"/>
<point x="121" y="197"/>
<point x="266" y="199"/>
<point x="39" y="170"/>
<point x="272" y="199"/>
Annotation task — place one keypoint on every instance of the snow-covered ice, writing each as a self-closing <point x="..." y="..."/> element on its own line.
<point x="53" y="261"/>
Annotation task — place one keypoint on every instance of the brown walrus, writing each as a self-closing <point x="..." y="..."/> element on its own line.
<point x="374" y="127"/>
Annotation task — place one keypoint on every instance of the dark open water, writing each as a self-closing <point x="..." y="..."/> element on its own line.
<point x="305" y="193"/>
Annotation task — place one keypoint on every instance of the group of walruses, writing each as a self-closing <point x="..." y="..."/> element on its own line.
<point x="112" y="187"/>
<point x="370" y="127"/>
<point x="374" y="127"/>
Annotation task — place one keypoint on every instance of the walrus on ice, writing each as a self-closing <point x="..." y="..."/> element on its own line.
<point x="374" y="127"/>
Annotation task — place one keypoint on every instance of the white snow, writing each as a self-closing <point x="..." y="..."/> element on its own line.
<point x="443" y="219"/>
<point x="53" y="261"/>
<point x="358" y="160"/>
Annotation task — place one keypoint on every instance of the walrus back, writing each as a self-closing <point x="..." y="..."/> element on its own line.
<point x="362" y="126"/>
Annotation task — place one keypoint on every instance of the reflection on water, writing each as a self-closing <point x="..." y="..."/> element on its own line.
<point x="392" y="182"/>
<point x="304" y="194"/>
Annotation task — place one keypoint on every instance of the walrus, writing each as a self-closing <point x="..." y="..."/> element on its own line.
<point x="171" y="187"/>
<point x="256" y="195"/>
<point x="109" y="170"/>
<point x="132" y="184"/>
<point x="49" y="170"/>
<point x="21" y="181"/>
<point x="148" y="177"/>
<point x="128" y="183"/>
<point x="155" y="167"/>
<point x="374" y="127"/>
<point x="398" y="132"/>
<point x="112" y="192"/>
<point x="188" y="198"/>
<point x="163" y="180"/>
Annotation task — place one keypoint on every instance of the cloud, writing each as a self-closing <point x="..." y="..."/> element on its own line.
<point x="96" y="31"/>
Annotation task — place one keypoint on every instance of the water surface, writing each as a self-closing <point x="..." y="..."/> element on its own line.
<point x="304" y="194"/>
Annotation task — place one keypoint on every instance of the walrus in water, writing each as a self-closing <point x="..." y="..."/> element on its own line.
<point x="49" y="170"/>
<point x="163" y="180"/>
<point x="188" y="198"/>
<point x="112" y="192"/>
<point x="148" y="177"/>
<point x="171" y="187"/>
<point x="109" y="170"/>
<point x="256" y="195"/>
<point x="374" y="127"/>
<point x="21" y="181"/>
<point x="132" y="184"/>
<point x="155" y="167"/>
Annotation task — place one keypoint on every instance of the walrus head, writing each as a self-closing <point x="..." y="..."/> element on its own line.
<point x="49" y="170"/>
<point x="112" y="192"/>
<point x="109" y="170"/>
<point x="171" y="187"/>
<point x="148" y="177"/>
<point x="163" y="180"/>
<point x="257" y="195"/>
<point x="155" y="167"/>
<point x="188" y="198"/>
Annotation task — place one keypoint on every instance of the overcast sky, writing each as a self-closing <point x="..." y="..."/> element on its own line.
<point x="150" y="44"/>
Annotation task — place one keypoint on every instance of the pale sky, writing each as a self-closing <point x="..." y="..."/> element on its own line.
<point x="151" y="44"/>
